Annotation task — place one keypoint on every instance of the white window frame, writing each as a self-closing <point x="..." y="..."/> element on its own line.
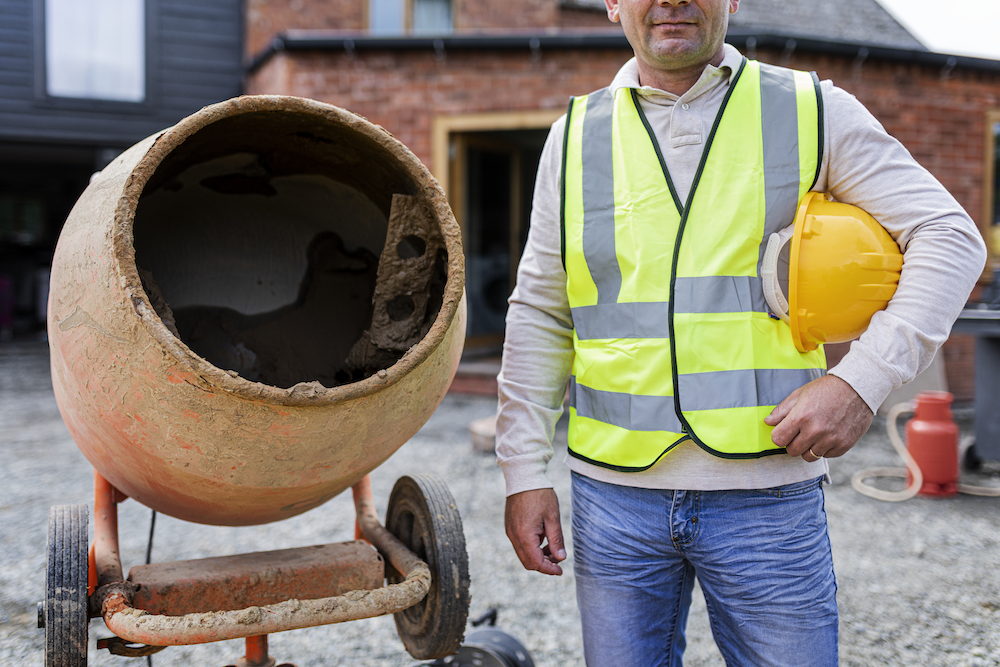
<point x="108" y="47"/>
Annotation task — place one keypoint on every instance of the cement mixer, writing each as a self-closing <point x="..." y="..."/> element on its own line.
<point x="249" y="312"/>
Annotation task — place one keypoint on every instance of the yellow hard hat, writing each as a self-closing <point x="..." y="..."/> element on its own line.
<point x="843" y="267"/>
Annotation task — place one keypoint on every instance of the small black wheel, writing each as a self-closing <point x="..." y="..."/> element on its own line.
<point x="970" y="459"/>
<point x="423" y="515"/>
<point x="65" y="606"/>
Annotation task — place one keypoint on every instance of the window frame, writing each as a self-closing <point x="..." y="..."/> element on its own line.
<point x="147" y="105"/>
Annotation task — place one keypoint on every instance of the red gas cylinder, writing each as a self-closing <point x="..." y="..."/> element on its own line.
<point x="932" y="440"/>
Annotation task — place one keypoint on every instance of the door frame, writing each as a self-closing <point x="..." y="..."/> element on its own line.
<point x="986" y="224"/>
<point x="451" y="134"/>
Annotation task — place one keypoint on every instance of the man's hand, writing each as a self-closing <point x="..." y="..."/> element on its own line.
<point x="532" y="517"/>
<point x="823" y="418"/>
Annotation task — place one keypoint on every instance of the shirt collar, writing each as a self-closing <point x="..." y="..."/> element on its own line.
<point x="628" y="77"/>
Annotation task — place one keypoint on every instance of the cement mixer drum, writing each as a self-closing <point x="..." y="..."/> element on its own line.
<point x="253" y="309"/>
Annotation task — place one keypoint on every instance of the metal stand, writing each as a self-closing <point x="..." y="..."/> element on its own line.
<point x="985" y="325"/>
<point x="317" y="586"/>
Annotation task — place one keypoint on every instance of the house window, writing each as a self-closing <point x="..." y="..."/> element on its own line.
<point x="431" y="16"/>
<point x="95" y="49"/>
<point x="390" y="17"/>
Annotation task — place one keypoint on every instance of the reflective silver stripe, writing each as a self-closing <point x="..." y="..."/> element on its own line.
<point x="706" y="294"/>
<point x="780" y="132"/>
<point x="743" y="388"/>
<point x="699" y="391"/>
<point x="774" y="385"/>
<point x="717" y="294"/>
<point x="622" y="320"/>
<point x="599" y="197"/>
<point x="634" y="413"/>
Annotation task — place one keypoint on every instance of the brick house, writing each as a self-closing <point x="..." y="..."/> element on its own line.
<point x="472" y="86"/>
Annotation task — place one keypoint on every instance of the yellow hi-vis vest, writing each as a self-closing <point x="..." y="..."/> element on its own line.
<point x="672" y="334"/>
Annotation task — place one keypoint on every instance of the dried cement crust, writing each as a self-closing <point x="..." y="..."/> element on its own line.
<point x="413" y="259"/>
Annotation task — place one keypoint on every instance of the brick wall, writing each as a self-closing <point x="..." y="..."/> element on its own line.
<point x="940" y="119"/>
<point x="267" y="18"/>
<point x="403" y="91"/>
<point x="583" y="18"/>
<point x="478" y="15"/>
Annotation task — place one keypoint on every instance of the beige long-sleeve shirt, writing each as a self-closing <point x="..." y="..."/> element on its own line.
<point x="862" y="165"/>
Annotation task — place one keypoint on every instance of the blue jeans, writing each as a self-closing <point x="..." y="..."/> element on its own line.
<point x="762" y="558"/>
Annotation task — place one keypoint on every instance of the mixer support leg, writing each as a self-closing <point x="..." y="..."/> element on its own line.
<point x="256" y="653"/>
<point x="363" y="501"/>
<point x="107" y="560"/>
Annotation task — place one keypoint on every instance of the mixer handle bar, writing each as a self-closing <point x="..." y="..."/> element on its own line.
<point x="112" y="600"/>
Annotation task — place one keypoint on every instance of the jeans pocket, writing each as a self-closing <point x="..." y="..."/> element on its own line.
<point x="793" y="489"/>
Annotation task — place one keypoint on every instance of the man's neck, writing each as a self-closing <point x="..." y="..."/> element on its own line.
<point x="677" y="81"/>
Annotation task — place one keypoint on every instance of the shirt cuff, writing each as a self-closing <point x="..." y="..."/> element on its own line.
<point x="525" y="473"/>
<point x="868" y="374"/>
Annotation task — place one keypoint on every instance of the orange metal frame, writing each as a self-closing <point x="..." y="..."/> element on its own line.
<point x="112" y="596"/>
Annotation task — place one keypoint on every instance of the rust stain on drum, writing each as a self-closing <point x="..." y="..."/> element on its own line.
<point x="254" y="210"/>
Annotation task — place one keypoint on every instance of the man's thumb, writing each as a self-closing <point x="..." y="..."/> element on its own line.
<point x="553" y="533"/>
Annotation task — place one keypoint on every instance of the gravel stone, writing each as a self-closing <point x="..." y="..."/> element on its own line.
<point x="919" y="581"/>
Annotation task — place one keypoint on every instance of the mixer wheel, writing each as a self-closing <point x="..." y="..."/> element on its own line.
<point x="423" y="515"/>
<point x="65" y="608"/>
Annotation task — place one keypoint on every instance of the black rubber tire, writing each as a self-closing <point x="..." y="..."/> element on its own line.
<point x="423" y="515"/>
<point x="505" y="646"/>
<point x="65" y="607"/>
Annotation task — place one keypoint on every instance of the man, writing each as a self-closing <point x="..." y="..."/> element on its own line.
<point x="623" y="286"/>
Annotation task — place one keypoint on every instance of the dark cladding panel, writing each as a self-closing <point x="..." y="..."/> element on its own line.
<point x="201" y="53"/>
<point x="16" y="50"/>
<point x="193" y="53"/>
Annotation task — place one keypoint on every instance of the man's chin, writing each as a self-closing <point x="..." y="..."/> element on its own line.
<point x="678" y="54"/>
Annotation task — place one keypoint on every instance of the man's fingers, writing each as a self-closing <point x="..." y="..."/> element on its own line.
<point x="784" y="433"/>
<point x="781" y="410"/>
<point x="827" y="416"/>
<point x="532" y="519"/>
<point x="785" y="430"/>
<point x="548" y="564"/>
<point x="534" y="556"/>
<point x="811" y="456"/>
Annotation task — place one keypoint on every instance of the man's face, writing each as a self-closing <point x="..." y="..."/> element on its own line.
<point x="674" y="34"/>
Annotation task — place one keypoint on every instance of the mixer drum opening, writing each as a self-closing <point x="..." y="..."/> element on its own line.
<point x="286" y="252"/>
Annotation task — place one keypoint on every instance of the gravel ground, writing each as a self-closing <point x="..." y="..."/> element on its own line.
<point x="919" y="581"/>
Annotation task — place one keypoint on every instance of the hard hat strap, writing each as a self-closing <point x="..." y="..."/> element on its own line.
<point x="776" y="301"/>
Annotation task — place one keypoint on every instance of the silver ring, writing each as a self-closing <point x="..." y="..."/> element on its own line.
<point x="815" y="455"/>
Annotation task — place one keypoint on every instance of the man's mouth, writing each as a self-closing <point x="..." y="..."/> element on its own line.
<point x="673" y="23"/>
